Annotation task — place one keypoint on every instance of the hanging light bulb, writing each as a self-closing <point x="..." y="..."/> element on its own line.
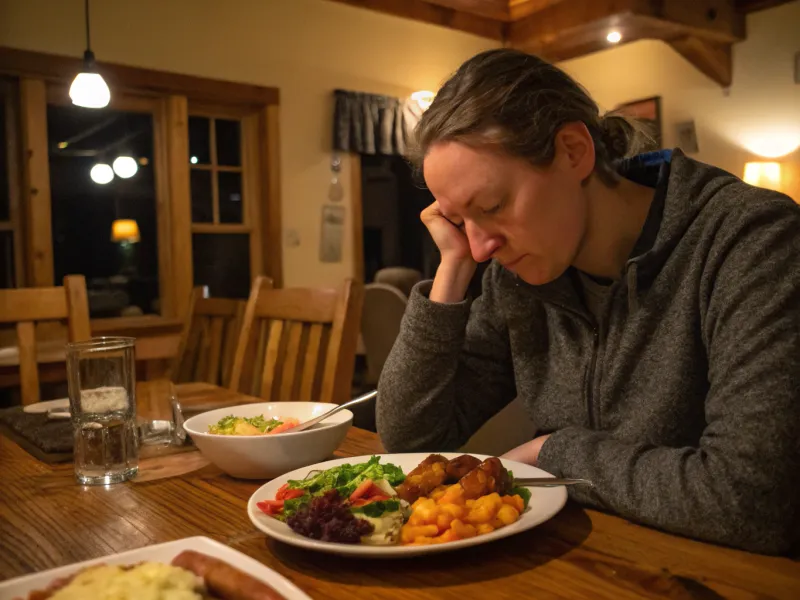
<point x="102" y="173"/>
<point x="89" y="89"/>
<point x="125" y="166"/>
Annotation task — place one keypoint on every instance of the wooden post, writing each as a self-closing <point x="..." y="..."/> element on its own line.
<point x="271" y="217"/>
<point x="180" y="201"/>
<point x="357" y="212"/>
<point x="36" y="189"/>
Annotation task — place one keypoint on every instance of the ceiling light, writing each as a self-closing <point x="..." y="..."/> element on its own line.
<point x="614" y="37"/>
<point x="423" y="98"/>
<point x="125" y="166"/>
<point x="89" y="89"/>
<point x="102" y="173"/>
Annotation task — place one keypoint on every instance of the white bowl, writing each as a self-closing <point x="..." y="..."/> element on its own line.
<point x="267" y="456"/>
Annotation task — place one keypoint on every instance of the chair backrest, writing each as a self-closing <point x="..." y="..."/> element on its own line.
<point x="298" y="343"/>
<point x="403" y="278"/>
<point x="384" y="307"/>
<point x="27" y="306"/>
<point x="208" y="340"/>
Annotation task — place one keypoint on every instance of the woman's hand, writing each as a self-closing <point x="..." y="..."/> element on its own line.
<point x="528" y="452"/>
<point x="457" y="266"/>
<point x="451" y="241"/>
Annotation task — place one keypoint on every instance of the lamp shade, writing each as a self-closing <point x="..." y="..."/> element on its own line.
<point x="125" y="230"/>
<point x="89" y="90"/>
<point x="763" y="174"/>
<point x="423" y="98"/>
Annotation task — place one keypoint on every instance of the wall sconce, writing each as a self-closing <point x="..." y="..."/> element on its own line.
<point x="125" y="230"/>
<point x="423" y="98"/>
<point x="763" y="174"/>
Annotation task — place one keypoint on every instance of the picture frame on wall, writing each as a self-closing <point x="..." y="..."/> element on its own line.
<point x="648" y="112"/>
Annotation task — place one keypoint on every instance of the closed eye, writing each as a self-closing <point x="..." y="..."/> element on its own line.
<point x="494" y="209"/>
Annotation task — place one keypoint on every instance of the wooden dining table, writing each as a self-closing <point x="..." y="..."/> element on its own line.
<point x="47" y="520"/>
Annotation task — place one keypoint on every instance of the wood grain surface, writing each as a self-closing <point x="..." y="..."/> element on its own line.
<point x="47" y="520"/>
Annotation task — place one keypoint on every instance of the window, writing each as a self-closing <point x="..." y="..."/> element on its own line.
<point x="105" y="230"/>
<point x="210" y="217"/>
<point x="224" y="183"/>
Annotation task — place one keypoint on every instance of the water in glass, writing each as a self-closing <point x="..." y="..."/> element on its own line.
<point x="103" y="410"/>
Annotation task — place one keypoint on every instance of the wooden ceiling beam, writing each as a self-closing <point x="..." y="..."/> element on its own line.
<point x="702" y="30"/>
<point x="436" y="15"/>
<point x="490" y="9"/>
<point x="713" y="59"/>
<point x="519" y="9"/>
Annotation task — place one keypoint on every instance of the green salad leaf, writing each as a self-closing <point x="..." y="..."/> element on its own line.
<point x="518" y="490"/>
<point x="377" y="509"/>
<point x="346" y="478"/>
<point x="524" y="492"/>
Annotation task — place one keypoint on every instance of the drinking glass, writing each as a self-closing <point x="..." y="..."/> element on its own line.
<point x="101" y="377"/>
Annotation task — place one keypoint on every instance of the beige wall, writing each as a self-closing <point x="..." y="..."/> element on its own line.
<point x="307" y="48"/>
<point x="761" y="110"/>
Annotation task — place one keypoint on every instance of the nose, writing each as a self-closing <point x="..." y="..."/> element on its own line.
<point x="482" y="244"/>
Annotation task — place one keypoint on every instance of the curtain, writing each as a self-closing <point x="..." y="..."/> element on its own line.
<point x="373" y="124"/>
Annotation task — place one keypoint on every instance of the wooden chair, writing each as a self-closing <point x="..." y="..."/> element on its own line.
<point x="298" y="344"/>
<point x="208" y="340"/>
<point x="27" y="306"/>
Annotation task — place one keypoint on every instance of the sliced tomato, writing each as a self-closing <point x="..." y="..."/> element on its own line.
<point x="378" y="498"/>
<point x="292" y="494"/>
<point x="281" y="493"/>
<point x="362" y="489"/>
<point x="271" y="507"/>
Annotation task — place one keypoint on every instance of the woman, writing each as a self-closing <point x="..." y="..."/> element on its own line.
<point x="644" y="311"/>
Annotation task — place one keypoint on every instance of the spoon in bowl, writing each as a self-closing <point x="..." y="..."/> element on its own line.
<point x="310" y="423"/>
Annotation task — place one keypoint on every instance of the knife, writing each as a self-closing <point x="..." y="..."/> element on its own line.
<point x="549" y="481"/>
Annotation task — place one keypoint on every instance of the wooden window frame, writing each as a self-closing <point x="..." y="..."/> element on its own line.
<point x="10" y="98"/>
<point x="44" y="77"/>
<point x="254" y="192"/>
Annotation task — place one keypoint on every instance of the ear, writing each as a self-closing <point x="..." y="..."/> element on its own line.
<point x="575" y="149"/>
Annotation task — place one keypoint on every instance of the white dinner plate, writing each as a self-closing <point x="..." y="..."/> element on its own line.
<point x="544" y="504"/>
<point x="22" y="586"/>
<point x="43" y="407"/>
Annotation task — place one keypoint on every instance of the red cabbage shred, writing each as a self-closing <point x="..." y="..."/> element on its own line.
<point x="328" y="518"/>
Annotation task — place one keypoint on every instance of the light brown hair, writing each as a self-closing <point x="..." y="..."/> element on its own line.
<point x="518" y="102"/>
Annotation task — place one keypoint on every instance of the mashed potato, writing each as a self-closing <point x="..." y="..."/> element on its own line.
<point x="146" y="581"/>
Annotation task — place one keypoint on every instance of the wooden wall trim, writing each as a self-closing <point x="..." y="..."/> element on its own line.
<point x="357" y="212"/>
<point x="180" y="214"/>
<point x="53" y="67"/>
<point x="272" y="228"/>
<point x="36" y="187"/>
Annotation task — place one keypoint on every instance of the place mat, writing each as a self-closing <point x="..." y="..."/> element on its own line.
<point x="48" y="440"/>
<point x="51" y="440"/>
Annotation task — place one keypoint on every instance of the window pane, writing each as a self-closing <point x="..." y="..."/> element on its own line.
<point x="222" y="262"/>
<point x="6" y="259"/>
<point x="199" y="141"/>
<point x="228" y="143"/>
<point x="121" y="269"/>
<point x="230" y="197"/>
<point x="202" y="202"/>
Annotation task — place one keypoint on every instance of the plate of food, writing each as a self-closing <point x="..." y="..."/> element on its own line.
<point x="395" y="505"/>
<point x="196" y="568"/>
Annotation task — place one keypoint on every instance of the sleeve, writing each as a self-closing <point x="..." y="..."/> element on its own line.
<point x="449" y="371"/>
<point x="739" y="486"/>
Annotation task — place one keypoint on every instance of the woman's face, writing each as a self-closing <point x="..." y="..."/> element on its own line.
<point x="530" y="219"/>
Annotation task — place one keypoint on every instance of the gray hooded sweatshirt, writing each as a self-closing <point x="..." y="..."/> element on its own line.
<point x="681" y="401"/>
